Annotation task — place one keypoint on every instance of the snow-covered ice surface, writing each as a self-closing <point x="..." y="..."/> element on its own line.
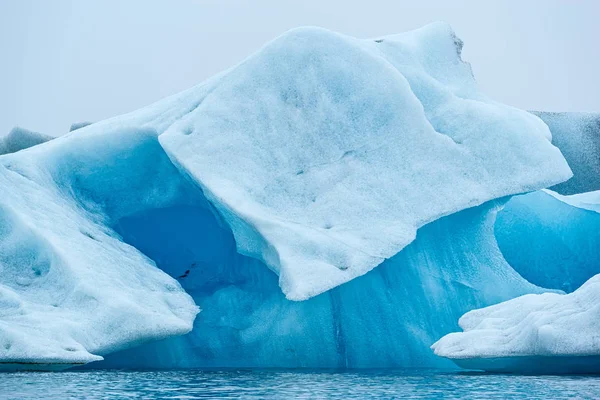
<point x="298" y="170"/>
<point x="552" y="240"/>
<point x="550" y="333"/>
<point x="577" y="135"/>
<point x="19" y="138"/>
<point x="70" y="289"/>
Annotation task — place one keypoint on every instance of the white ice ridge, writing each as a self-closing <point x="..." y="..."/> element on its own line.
<point x="587" y="201"/>
<point x="324" y="153"/>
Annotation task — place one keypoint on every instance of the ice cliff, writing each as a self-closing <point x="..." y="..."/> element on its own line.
<point x="290" y="176"/>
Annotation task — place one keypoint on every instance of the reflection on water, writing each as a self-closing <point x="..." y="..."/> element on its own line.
<point x="258" y="384"/>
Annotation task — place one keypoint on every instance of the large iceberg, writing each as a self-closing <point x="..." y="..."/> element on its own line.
<point x="287" y="177"/>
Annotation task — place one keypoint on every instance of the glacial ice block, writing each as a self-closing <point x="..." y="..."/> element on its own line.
<point x="552" y="240"/>
<point x="549" y="333"/>
<point x="314" y="160"/>
<point x="19" y="139"/>
<point x="325" y="153"/>
<point x="70" y="289"/>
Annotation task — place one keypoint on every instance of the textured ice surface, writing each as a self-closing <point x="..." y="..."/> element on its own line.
<point x="552" y="240"/>
<point x="577" y="135"/>
<point x="19" y="138"/>
<point x="386" y="318"/>
<point x="70" y="289"/>
<point x="325" y="153"/>
<point x="302" y="168"/>
<point x="548" y="332"/>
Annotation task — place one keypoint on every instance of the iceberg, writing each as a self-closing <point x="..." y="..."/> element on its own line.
<point x="267" y="195"/>
<point x="276" y="169"/>
<point x="19" y="139"/>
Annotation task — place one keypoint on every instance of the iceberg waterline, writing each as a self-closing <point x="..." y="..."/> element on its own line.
<point x="288" y="177"/>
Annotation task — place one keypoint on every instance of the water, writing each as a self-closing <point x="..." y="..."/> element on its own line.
<point x="252" y="384"/>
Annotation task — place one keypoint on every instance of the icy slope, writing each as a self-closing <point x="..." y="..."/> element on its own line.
<point x="325" y="153"/>
<point x="70" y="289"/>
<point x="551" y="240"/>
<point x="19" y="138"/>
<point x="386" y="318"/>
<point x="577" y="135"/>
<point x="547" y="332"/>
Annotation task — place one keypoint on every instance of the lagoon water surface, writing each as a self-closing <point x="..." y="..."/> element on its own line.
<point x="287" y="384"/>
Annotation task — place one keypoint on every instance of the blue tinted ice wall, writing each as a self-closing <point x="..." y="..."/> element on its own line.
<point x="549" y="242"/>
<point x="386" y="318"/>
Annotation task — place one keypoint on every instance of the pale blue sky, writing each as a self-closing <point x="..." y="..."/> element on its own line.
<point x="71" y="60"/>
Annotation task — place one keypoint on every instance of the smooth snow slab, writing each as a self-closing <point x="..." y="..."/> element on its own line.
<point x="544" y="325"/>
<point x="324" y="153"/>
<point x="70" y="289"/>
